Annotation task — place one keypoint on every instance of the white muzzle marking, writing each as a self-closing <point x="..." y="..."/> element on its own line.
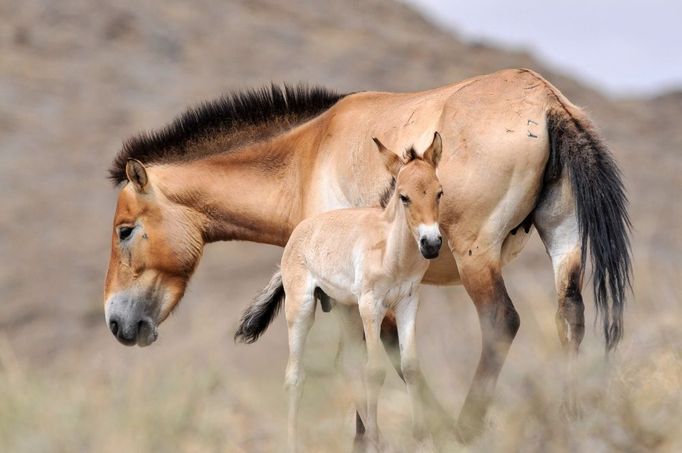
<point x="429" y="232"/>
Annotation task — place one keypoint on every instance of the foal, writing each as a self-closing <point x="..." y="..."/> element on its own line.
<point x="373" y="258"/>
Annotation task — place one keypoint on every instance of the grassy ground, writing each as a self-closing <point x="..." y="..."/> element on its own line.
<point x="195" y="391"/>
<point x="78" y="77"/>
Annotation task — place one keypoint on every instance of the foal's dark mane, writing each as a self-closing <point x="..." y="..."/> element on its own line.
<point x="409" y="155"/>
<point x="225" y="124"/>
<point x="387" y="194"/>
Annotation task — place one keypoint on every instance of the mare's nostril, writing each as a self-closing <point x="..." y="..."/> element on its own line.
<point x="124" y="332"/>
<point x="422" y="242"/>
<point x="113" y="325"/>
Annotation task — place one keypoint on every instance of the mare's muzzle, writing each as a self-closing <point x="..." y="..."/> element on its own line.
<point x="128" y="322"/>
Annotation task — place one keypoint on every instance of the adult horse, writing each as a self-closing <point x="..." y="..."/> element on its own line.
<point x="252" y="165"/>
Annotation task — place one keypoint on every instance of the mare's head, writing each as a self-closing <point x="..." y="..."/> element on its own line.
<point x="418" y="192"/>
<point x="161" y="223"/>
<point x="155" y="247"/>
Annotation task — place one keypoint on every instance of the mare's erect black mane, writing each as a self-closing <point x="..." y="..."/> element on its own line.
<point x="233" y="119"/>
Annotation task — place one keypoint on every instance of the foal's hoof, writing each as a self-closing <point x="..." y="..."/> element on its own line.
<point x="466" y="433"/>
<point x="570" y="410"/>
<point x="425" y="445"/>
<point x="364" y="445"/>
<point x="359" y="445"/>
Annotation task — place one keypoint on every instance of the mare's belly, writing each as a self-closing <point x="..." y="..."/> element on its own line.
<point x="443" y="270"/>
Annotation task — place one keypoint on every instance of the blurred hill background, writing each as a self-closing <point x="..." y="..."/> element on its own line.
<point x="77" y="77"/>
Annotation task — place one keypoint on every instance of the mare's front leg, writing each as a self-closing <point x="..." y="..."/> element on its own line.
<point x="499" y="323"/>
<point x="372" y="312"/>
<point x="300" y="314"/>
<point x="406" y="318"/>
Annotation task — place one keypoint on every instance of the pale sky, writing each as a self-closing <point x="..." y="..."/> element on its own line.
<point x="626" y="47"/>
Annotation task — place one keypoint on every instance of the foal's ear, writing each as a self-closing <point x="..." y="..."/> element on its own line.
<point x="433" y="153"/>
<point x="391" y="160"/>
<point x="137" y="174"/>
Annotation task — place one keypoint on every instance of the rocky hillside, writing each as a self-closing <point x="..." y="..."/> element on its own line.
<point x="79" y="76"/>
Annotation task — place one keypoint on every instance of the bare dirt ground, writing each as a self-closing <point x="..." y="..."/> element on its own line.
<point x="77" y="77"/>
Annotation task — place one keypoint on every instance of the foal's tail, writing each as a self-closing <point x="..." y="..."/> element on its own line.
<point x="258" y="316"/>
<point x="601" y="206"/>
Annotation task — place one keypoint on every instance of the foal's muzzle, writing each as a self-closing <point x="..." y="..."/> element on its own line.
<point x="430" y="247"/>
<point x="430" y="240"/>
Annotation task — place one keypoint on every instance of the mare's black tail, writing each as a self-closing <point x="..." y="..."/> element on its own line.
<point x="601" y="206"/>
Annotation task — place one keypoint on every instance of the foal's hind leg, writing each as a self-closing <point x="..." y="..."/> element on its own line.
<point x="352" y="361"/>
<point x="439" y="421"/>
<point x="372" y="313"/>
<point x="557" y="224"/>
<point x="300" y="314"/>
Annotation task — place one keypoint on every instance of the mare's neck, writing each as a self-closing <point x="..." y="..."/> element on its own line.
<point x="402" y="253"/>
<point x="253" y="194"/>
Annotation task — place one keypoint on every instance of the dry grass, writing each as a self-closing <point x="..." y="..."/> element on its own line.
<point x="171" y="402"/>
<point x="79" y="76"/>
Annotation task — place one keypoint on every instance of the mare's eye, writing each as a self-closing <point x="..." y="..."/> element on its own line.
<point x="404" y="199"/>
<point x="124" y="232"/>
<point x="440" y="195"/>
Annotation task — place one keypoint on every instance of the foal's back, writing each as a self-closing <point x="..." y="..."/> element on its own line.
<point x="336" y="248"/>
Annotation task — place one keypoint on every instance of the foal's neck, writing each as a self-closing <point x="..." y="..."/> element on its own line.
<point x="402" y="253"/>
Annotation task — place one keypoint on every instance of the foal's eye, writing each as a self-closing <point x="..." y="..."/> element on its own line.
<point x="440" y="195"/>
<point x="404" y="199"/>
<point x="124" y="232"/>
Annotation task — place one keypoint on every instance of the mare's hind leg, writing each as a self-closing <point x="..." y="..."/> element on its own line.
<point x="351" y="360"/>
<point x="557" y="224"/>
<point x="300" y="314"/>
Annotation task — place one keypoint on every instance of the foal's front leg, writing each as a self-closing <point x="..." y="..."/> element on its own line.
<point x="406" y="318"/>
<point x="372" y="312"/>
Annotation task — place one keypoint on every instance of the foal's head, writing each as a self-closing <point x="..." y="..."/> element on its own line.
<point x="418" y="192"/>
<point x="155" y="246"/>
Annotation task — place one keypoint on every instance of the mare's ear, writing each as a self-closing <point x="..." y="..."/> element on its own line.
<point x="391" y="160"/>
<point x="433" y="153"/>
<point x="137" y="174"/>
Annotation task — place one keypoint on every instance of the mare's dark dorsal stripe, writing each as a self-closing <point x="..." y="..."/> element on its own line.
<point x="272" y="109"/>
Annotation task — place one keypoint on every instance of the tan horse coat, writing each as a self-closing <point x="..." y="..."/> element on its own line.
<point x="517" y="153"/>
<point x="374" y="260"/>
